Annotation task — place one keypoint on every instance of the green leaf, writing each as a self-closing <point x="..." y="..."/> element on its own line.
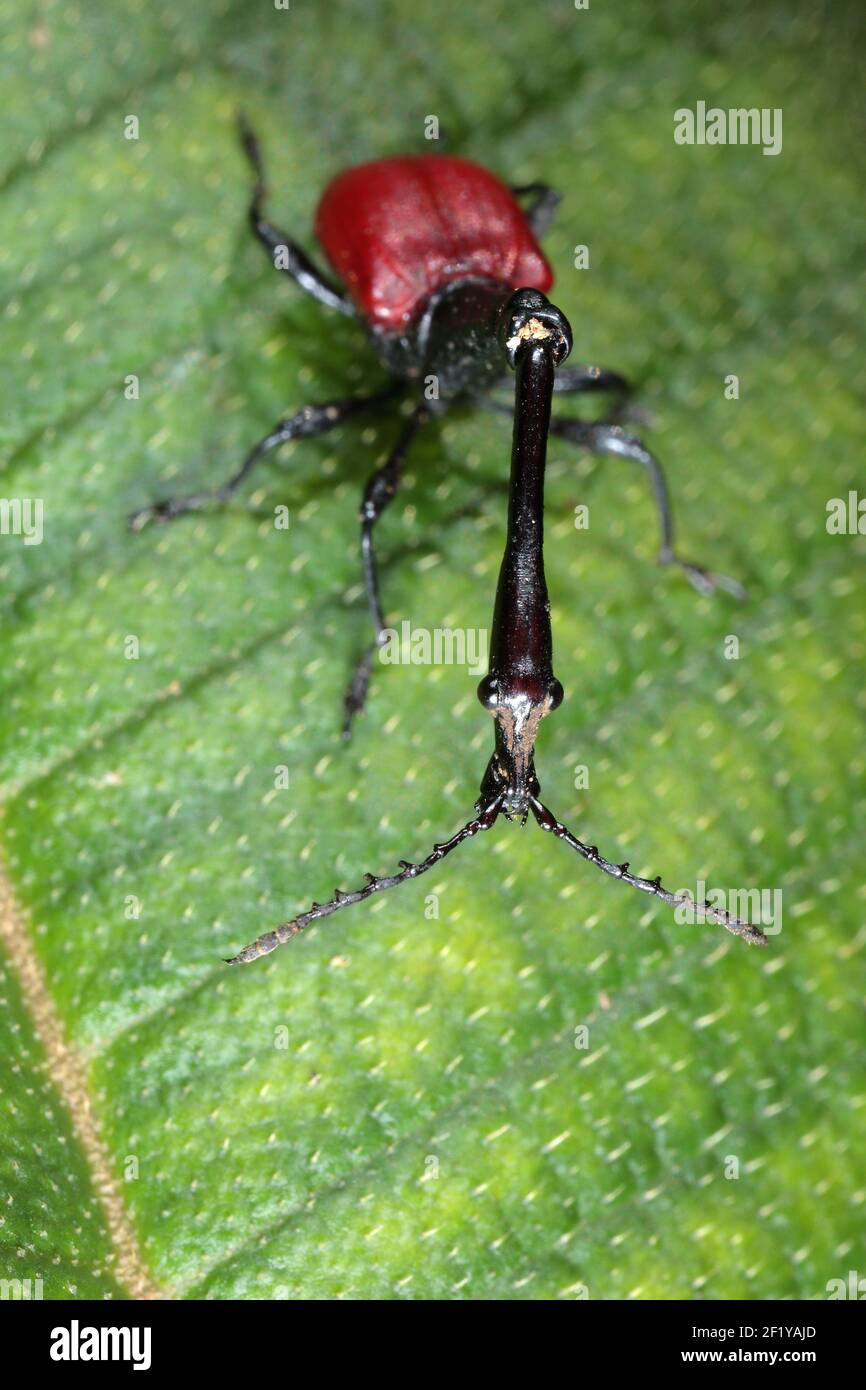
<point x="400" y="1104"/>
<point x="54" y="1235"/>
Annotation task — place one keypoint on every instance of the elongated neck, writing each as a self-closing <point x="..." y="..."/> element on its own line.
<point x="521" y="643"/>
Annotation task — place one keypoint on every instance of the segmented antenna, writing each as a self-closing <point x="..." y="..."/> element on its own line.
<point x="263" y="945"/>
<point x="547" y="820"/>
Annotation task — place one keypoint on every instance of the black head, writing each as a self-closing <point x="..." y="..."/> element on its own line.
<point x="518" y="708"/>
<point x="528" y="318"/>
<point x="467" y="333"/>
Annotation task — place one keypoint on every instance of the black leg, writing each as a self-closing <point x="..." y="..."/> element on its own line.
<point x="285" y="253"/>
<point x="571" y="380"/>
<point x="611" y="439"/>
<point x="311" y="420"/>
<point x="542" y="207"/>
<point x="589" y="380"/>
<point x="378" y="493"/>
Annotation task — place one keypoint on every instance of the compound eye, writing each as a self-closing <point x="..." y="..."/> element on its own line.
<point x="488" y="692"/>
<point x="555" y="693"/>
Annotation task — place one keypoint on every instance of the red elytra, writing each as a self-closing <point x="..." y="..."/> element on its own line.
<point x="398" y="230"/>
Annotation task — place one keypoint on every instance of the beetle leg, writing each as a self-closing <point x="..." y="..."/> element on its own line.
<point x="305" y="423"/>
<point x="285" y="253"/>
<point x="571" y="380"/>
<point x="611" y="439"/>
<point x="542" y="209"/>
<point x="585" y="379"/>
<point x="378" y="493"/>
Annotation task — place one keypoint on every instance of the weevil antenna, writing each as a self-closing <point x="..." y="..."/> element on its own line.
<point x="547" y="820"/>
<point x="263" y="945"/>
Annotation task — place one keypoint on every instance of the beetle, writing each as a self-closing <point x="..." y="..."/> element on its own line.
<point x="441" y="261"/>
